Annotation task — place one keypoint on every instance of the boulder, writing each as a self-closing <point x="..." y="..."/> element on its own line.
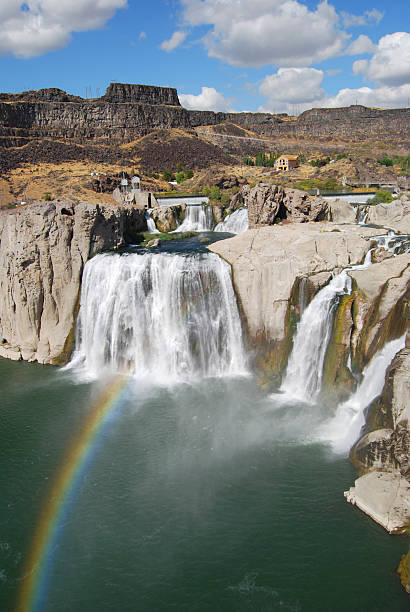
<point x="384" y="496"/>
<point x="268" y="204"/>
<point x="167" y="218"/>
<point x="395" y="216"/>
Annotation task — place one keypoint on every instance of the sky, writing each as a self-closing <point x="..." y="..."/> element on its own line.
<point x="223" y="55"/>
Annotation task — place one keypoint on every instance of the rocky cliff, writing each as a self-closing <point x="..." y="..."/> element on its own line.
<point x="126" y="112"/>
<point x="43" y="250"/>
<point x="275" y="270"/>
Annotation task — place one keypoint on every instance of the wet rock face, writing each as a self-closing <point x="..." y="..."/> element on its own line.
<point x="167" y="217"/>
<point x="43" y="249"/>
<point x="268" y="204"/>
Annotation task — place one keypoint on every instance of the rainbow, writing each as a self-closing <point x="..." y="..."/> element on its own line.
<point x="33" y="593"/>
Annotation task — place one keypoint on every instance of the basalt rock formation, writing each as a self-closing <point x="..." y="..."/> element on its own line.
<point x="43" y="250"/>
<point x="126" y="112"/>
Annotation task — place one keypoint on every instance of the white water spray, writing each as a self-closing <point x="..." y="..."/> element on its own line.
<point x="303" y="376"/>
<point x="159" y="316"/>
<point x="197" y="219"/>
<point x="343" y="429"/>
<point x="236" y="223"/>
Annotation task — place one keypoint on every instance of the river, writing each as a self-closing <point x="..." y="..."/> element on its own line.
<point x="198" y="493"/>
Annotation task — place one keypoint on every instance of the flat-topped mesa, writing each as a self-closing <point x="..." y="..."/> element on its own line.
<point x="145" y="94"/>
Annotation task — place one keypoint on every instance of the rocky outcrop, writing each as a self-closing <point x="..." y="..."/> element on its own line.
<point x="267" y="204"/>
<point x="145" y="94"/>
<point x="341" y="212"/>
<point x="268" y="265"/>
<point x="384" y="497"/>
<point x="167" y="218"/>
<point x="43" y="250"/>
<point x="395" y="215"/>
<point x="380" y="306"/>
<point x="383" y="492"/>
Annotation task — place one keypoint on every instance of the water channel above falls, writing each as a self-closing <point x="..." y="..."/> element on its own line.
<point x="199" y="492"/>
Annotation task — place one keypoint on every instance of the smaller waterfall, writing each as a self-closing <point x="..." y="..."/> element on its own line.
<point x="362" y="213"/>
<point x="236" y="223"/>
<point x="394" y="243"/>
<point x="197" y="219"/>
<point x="343" y="429"/>
<point x="303" y="376"/>
<point x="150" y="222"/>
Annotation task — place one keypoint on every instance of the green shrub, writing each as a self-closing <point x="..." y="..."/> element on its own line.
<point x="381" y="197"/>
<point x="167" y="175"/>
<point x="385" y="161"/>
<point x="47" y="196"/>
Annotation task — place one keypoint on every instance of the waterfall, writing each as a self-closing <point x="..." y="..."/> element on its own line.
<point x="150" y="222"/>
<point x="159" y="316"/>
<point x="197" y="219"/>
<point x="344" y="428"/>
<point x="394" y="243"/>
<point x="303" y="376"/>
<point x="362" y="213"/>
<point x="236" y="223"/>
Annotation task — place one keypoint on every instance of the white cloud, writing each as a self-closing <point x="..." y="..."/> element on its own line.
<point x="294" y="90"/>
<point x="208" y="99"/>
<point x="284" y="33"/>
<point x="361" y="45"/>
<point x="291" y="87"/>
<point x="380" y="97"/>
<point x="372" y="17"/>
<point x="38" y="26"/>
<point x="390" y="65"/>
<point x="176" y="39"/>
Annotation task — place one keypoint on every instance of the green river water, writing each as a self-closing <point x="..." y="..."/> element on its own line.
<point x="202" y="497"/>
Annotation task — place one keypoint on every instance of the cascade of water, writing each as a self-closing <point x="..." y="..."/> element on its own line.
<point x="303" y="376"/>
<point x="394" y="243"/>
<point x="197" y="219"/>
<point x="343" y="429"/>
<point x="159" y="316"/>
<point x="362" y="213"/>
<point x="150" y="222"/>
<point x="236" y="223"/>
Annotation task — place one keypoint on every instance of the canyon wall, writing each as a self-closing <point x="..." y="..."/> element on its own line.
<point x="43" y="250"/>
<point x="126" y="112"/>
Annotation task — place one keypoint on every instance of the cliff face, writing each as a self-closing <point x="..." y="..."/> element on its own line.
<point x="43" y="250"/>
<point x="128" y="111"/>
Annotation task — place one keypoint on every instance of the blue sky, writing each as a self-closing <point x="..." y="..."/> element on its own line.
<point x="269" y="55"/>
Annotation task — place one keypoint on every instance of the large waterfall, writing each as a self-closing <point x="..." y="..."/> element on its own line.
<point x="303" y="376"/>
<point x="197" y="219"/>
<point x="236" y="223"/>
<point x="159" y="316"/>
